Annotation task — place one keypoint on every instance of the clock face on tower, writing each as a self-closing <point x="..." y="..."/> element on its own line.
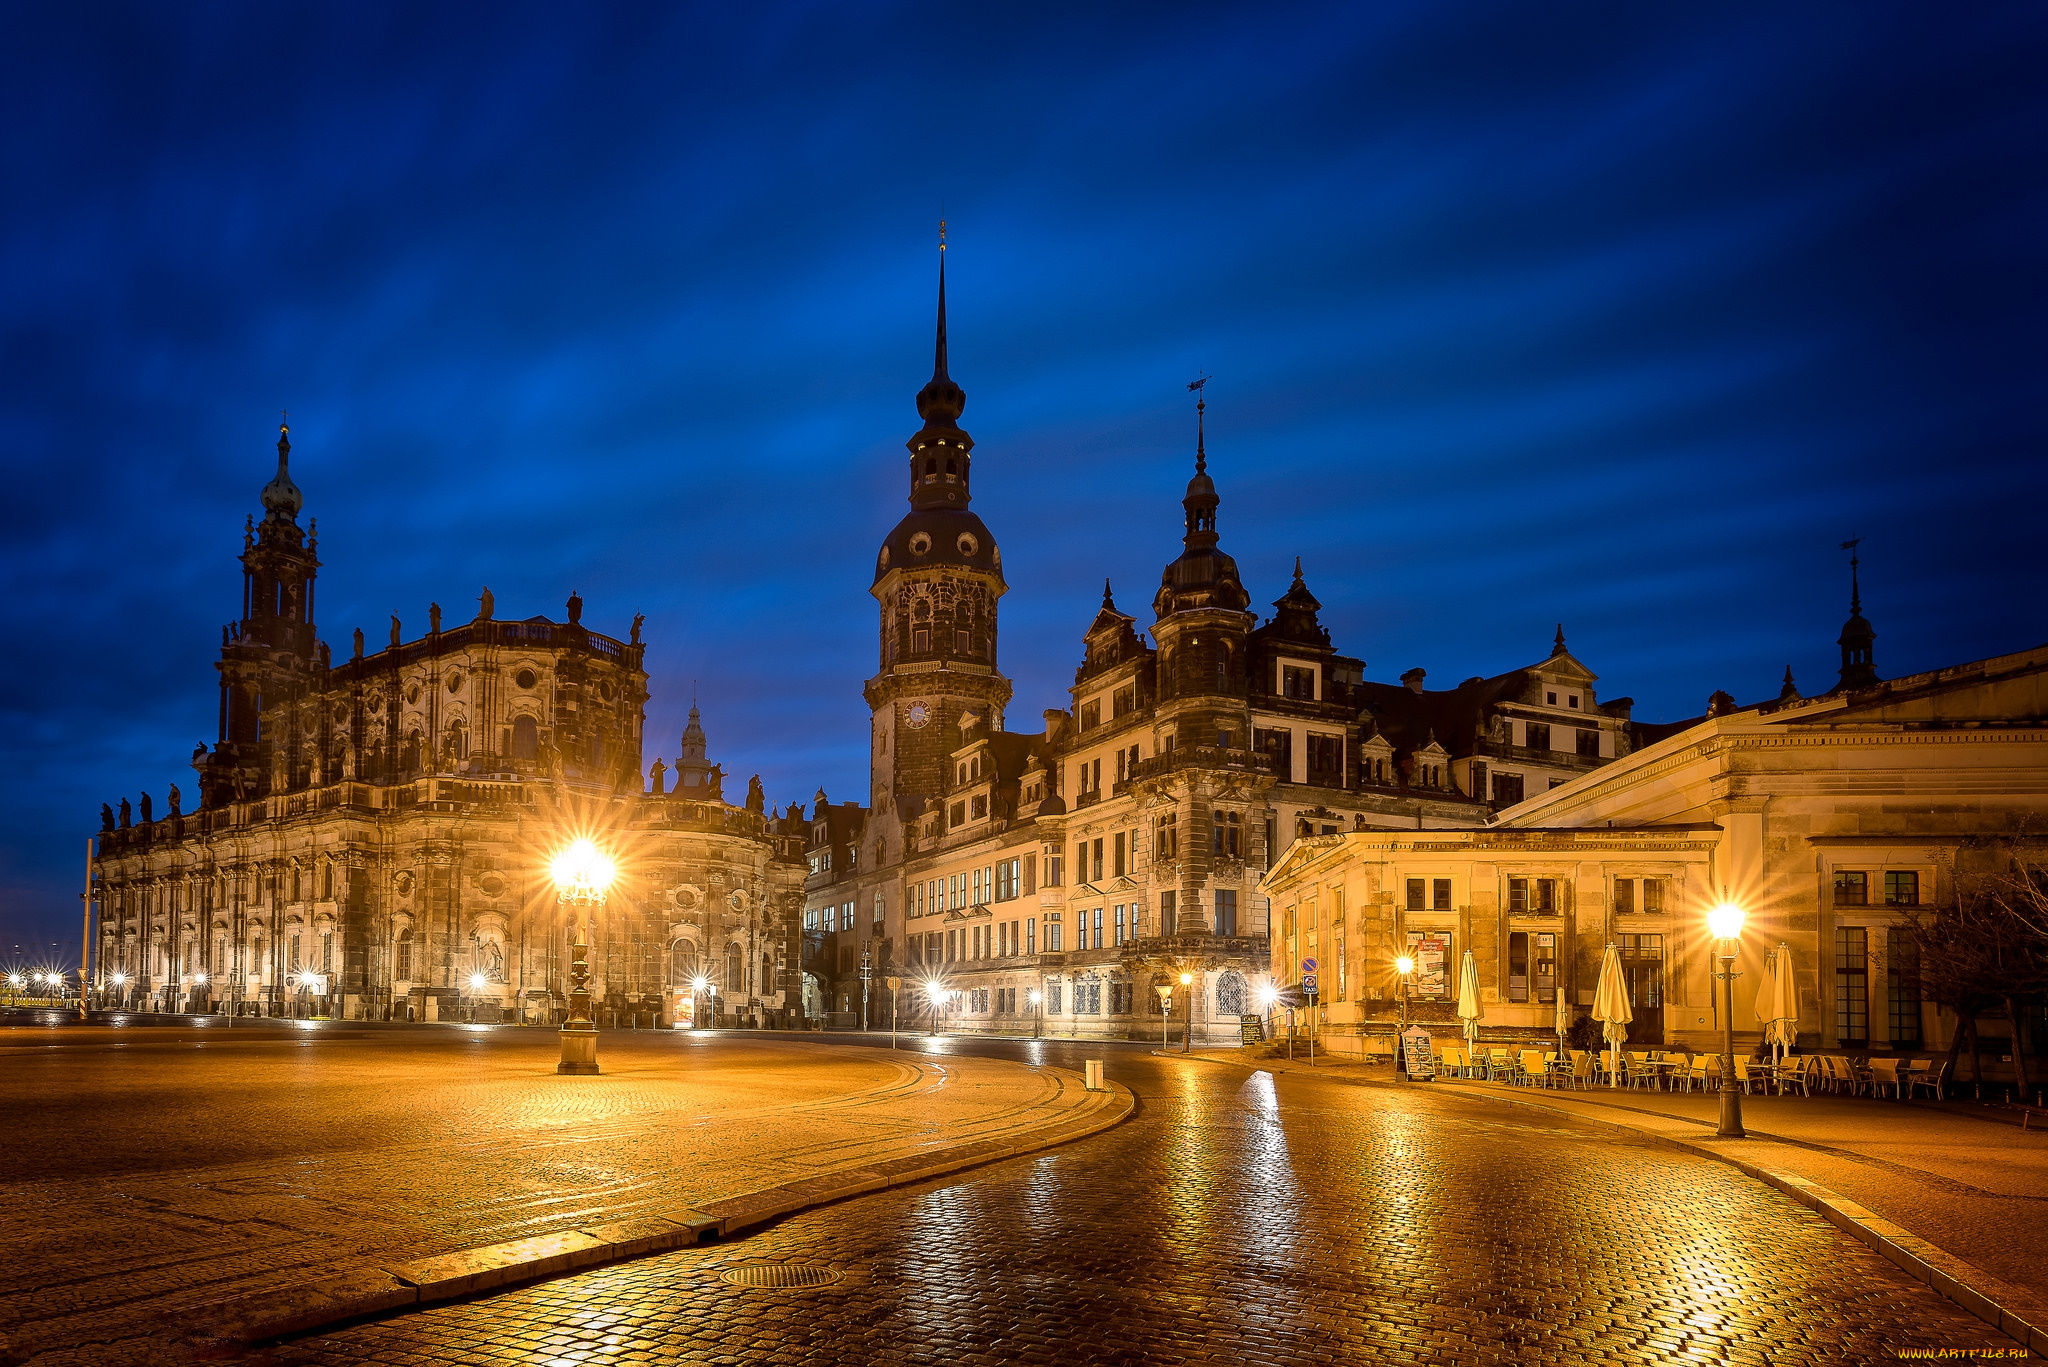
<point x="918" y="714"/>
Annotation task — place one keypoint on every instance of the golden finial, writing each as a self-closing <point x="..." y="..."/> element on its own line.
<point x="942" y="234"/>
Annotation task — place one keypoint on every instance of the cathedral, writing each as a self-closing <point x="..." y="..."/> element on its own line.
<point x="371" y="838"/>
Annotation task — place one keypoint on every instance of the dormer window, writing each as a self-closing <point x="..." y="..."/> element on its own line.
<point x="1571" y="699"/>
<point x="1091" y="715"/>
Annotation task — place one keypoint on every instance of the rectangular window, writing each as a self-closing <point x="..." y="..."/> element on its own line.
<point x="1030" y="934"/>
<point x="1081" y="861"/>
<point x="880" y="909"/>
<point x="1098" y="927"/>
<point x="1326" y="760"/>
<point x="1852" y="889"/>
<point x="1226" y="911"/>
<point x="1052" y="998"/>
<point x="1546" y="895"/>
<point x="810" y="918"/>
<point x="1546" y="967"/>
<point x="832" y="919"/>
<point x="1440" y="891"/>
<point x="1119" y="922"/>
<point x="1518" y="966"/>
<point x="1119" y="866"/>
<point x="1518" y="894"/>
<point x="1901" y="888"/>
<point x="1507" y="789"/>
<point x="1296" y="682"/>
<point x="1852" y="986"/>
<point x="1589" y="741"/>
<point x="1624" y="896"/>
<point x="1166" y="913"/>
<point x="1538" y="733"/>
<point x="920" y="640"/>
<point x="963" y="643"/>
<point x="1091" y="715"/>
<point x="1098" y="860"/>
<point x="1124" y="700"/>
<point x="1417" y="887"/>
<point x="1902" y="988"/>
<point x="1653" y="896"/>
<point x="1030" y="874"/>
<point x="1053" y="870"/>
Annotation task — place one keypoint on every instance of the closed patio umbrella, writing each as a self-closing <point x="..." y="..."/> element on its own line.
<point x="1469" y="1009"/>
<point x="1611" y="1009"/>
<point x="1564" y="1018"/>
<point x="1777" y="1002"/>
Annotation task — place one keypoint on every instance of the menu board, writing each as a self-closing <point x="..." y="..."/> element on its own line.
<point x="1432" y="953"/>
<point x="1251" y="1029"/>
<point x="1416" y="1054"/>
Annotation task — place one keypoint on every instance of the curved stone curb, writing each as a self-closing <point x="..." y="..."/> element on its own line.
<point x="225" y="1327"/>
<point x="2009" y="1309"/>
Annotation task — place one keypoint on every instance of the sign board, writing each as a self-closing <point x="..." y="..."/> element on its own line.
<point x="1308" y="985"/>
<point x="1308" y="965"/>
<point x="895" y="984"/>
<point x="1432" y="952"/>
<point x="1251" y="1029"/>
<point x="1416" y="1055"/>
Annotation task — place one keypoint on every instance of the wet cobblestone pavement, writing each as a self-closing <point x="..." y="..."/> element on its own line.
<point x="1247" y="1219"/>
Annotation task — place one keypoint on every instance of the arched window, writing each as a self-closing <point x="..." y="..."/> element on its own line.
<point x="402" y="970"/>
<point x="412" y="752"/>
<point x="525" y="738"/>
<point x="735" y="972"/>
<point x="1230" y="994"/>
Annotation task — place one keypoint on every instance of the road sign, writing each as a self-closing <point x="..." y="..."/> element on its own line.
<point x="1308" y="965"/>
<point x="1308" y="984"/>
<point x="895" y="984"/>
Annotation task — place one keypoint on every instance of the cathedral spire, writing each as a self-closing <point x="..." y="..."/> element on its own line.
<point x="939" y="350"/>
<point x="281" y="498"/>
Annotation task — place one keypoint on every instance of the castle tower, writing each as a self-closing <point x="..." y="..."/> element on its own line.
<point x="1202" y="625"/>
<point x="271" y="654"/>
<point x="937" y="579"/>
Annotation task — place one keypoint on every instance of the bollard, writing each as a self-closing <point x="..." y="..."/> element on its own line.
<point x="1095" y="1076"/>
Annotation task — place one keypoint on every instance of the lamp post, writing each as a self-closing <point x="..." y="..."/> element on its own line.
<point x="1187" y="1027"/>
<point x="198" y="980"/>
<point x="934" y="993"/>
<point x="1268" y="995"/>
<point x="1037" y="1012"/>
<point x="120" y="981"/>
<point x="1725" y="923"/>
<point x="700" y="986"/>
<point x="582" y="875"/>
<point x="476" y="985"/>
<point x="1166" y="1011"/>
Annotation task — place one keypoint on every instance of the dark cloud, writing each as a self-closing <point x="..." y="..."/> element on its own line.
<point x="1614" y="315"/>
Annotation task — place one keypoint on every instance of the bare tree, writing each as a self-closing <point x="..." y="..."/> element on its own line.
<point x="1987" y="945"/>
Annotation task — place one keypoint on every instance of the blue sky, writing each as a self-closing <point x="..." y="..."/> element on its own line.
<point x="1620" y="316"/>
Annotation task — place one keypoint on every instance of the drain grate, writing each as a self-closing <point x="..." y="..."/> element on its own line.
<point x="780" y="1276"/>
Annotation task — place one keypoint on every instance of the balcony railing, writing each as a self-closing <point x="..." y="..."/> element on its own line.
<point x="1202" y="757"/>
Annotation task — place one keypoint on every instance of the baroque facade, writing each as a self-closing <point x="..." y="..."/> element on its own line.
<point x="372" y="838"/>
<point x="1056" y="878"/>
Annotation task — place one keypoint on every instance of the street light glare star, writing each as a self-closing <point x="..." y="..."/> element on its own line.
<point x="1186" y="979"/>
<point x="1725" y="921"/>
<point x="1404" y="965"/>
<point x="699" y="984"/>
<point x="582" y="865"/>
<point x="476" y="981"/>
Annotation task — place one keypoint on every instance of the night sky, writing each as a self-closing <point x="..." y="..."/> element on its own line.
<point x="1617" y="316"/>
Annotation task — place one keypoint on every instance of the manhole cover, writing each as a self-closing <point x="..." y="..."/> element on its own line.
<point x="779" y="1276"/>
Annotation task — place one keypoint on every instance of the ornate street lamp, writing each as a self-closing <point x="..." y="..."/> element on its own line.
<point x="582" y="877"/>
<point x="1725" y="923"/>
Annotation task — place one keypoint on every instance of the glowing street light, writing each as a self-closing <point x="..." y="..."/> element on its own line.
<point x="701" y="986"/>
<point x="583" y="876"/>
<point x="935" y="992"/>
<point x="1037" y="1015"/>
<point x="1405" y="966"/>
<point x="1724" y="923"/>
<point x="1187" y="1027"/>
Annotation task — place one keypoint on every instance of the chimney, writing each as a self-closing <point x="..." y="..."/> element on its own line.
<point x="1413" y="678"/>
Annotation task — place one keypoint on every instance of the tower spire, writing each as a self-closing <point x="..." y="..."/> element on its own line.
<point x="939" y="351"/>
<point x="1201" y="404"/>
<point x="1858" y="639"/>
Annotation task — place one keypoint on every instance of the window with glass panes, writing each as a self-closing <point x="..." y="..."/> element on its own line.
<point x="1852" y="986"/>
<point x="1226" y="911"/>
<point x="1901" y="888"/>
<point x="1902" y="988"/>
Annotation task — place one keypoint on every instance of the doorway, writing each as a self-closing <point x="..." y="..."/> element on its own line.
<point x="1642" y="969"/>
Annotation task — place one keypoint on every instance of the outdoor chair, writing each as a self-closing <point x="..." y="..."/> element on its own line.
<point x="1748" y="1075"/>
<point x="1499" y="1065"/>
<point x="1794" y="1071"/>
<point x="1929" y="1075"/>
<point x="1699" y="1070"/>
<point x="1565" y="1068"/>
<point x="1640" y="1073"/>
<point x="1379" y="1051"/>
<point x="1447" y="1062"/>
<point x="1529" y="1066"/>
<point x="1851" y="1073"/>
<point x="1884" y="1072"/>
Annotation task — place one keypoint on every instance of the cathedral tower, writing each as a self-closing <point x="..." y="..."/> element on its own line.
<point x="937" y="579"/>
<point x="271" y="654"/>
